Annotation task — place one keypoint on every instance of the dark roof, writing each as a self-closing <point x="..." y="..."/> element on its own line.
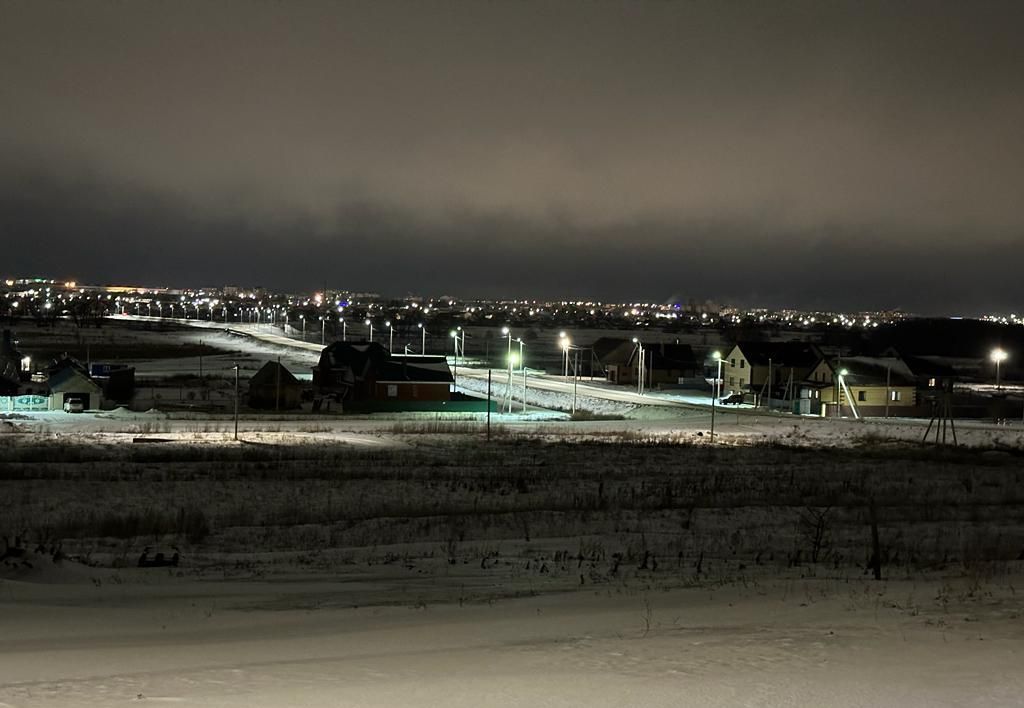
<point x="268" y="376"/>
<point x="356" y="356"/>
<point x="873" y="371"/>
<point x="412" y="367"/>
<point x="927" y="367"/>
<point x="70" y="376"/>
<point x="613" y="350"/>
<point x="369" y="360"/>
<point x="672" y="356"/>
<point x="799" y="355"/>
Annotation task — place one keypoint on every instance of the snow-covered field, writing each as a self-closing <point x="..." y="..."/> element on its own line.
<point x="76" y="641"/>
<point x="398" y="560"/>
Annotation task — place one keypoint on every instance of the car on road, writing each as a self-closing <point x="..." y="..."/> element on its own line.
<point x="732" y="399"/>
<point x="74" y="405"/>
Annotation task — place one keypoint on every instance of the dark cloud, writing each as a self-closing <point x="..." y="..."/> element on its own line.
<point x="809" y="153"/>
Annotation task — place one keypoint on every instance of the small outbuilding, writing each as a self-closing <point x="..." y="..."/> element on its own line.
<point x="273" y="387"/>
<point x="69" y="381"/>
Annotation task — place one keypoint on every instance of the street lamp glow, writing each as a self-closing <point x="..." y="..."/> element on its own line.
<point x="998" y="356"/>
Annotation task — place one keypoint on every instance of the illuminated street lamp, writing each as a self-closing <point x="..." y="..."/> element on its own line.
<point x="998" y="356"/>
<point x="839" y="393"/>
<point x="508" y="333"/>
<point x="344" y="329"/>
<point x="455" y="346"/>
<point x="369" y="324"/>
<point x="323" y="331"/>
<point x="423" y="338"/>
<point x="391" y="336"/>
<point x="522" y="364"/>
<point x="564" y="343"/>
<point x="639" y="367"/>
<point x="303" y="318"/>
<point x="717" y="356"/>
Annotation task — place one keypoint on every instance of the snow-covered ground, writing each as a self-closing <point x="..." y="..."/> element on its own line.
<point x="80" y="637"/>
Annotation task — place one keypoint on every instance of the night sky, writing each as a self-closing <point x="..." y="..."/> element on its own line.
<point x="811" y="154"/>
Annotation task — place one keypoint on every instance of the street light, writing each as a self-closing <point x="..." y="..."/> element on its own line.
<point x="839" y="392"/>
<point x="344" y="329"/>
<point x="391" y="336"/>
<point x="423" y="338"/>
<point x="455" y="346"/>
<point x="998" y="356"/>
<point x="323" y="331"/>
<point x="369" y="324"/>
<point x="639" y="367"/>
<point x="522" y="364"/>
<point x="508" y="333"/>
<point x="564" y="343"/>
<point x="303" y="318"/>
<point x="717" y="356"/>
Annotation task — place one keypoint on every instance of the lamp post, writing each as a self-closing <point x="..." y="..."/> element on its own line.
<point x="639" y="367"/>
<point x="717" y="356"/>
<point x="564" y="343"/>
<point x="236" y="401"/>
<point x="998" y="356"/>
<point x="369" y="324"/>
<point x="508" y="392"/>
<point x="839" y="395"/>
<point x="522" y="365"/>
<point x="391" y="336"/>
<point x="344" y="329"/>
<point x="423" y="338"/>
<point x="323" y="331"/>
<point x="303" y="318"/>
<point x="455" y="346"/>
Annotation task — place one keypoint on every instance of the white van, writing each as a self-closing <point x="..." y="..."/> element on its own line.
<point x="74" y="405"/>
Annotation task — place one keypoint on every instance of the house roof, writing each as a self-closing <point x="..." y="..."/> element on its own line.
<point x="71" y="378"/>
<point x="356" y="356"/>
<point x="874" y="371"/>
<point x="421" y="369"/>
<point x="268" y="376"/>
<point x="799" y="355"/>
<point x="613" y="350"/>
<point x="362" y="360"/>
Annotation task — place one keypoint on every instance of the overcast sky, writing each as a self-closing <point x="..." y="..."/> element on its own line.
<point x="782" y="153"/>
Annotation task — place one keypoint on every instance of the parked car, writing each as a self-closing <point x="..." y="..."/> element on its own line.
<point x="74" y="406"/>
<point x="732" y="399"/>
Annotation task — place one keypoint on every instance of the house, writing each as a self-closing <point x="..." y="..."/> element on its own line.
<point x="12" y="363"/>
<point x="748" y="365"/>
<point x="273" y="387"/>
<point x="366" y="371"/>
<point x="68" y="380"/>
<point x="874" y="386"/>
<point x="664" y="363"/>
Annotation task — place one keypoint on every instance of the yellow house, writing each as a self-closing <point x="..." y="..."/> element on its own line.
<point x="874" y="386"/>
<point x="745" y="369"/>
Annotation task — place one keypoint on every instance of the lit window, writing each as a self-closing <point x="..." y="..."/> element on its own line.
<point x="931" y="383"/>
<point x="896" y="395"/>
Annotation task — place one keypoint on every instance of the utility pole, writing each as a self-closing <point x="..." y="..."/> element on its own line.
<point x="888" y="394"/>
<point x="524" y="390"/>
<point x="236" y="401"/>
<point x="575" y="378"/>
<point x="769" y="384"/>
<point x="488" y="404"/>
<point x="277" y="394"/>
